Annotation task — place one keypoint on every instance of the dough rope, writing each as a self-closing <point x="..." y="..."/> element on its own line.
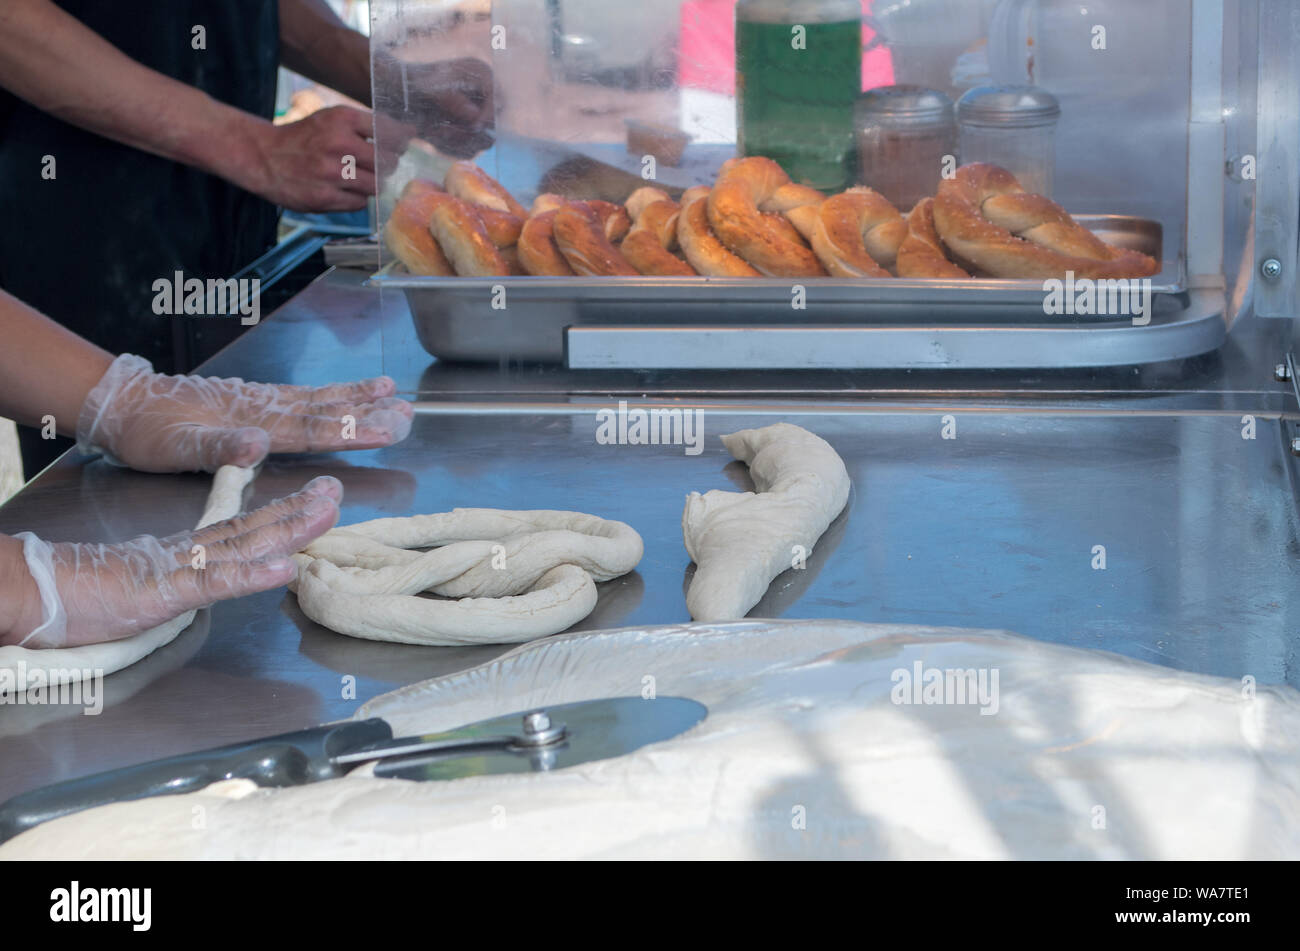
<point x="519" y="575"/>
<point x="740" y="541"/>
<point x="985" y="217"/>
<point x="62" y="665"/>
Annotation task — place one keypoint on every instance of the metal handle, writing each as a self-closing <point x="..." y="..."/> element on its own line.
<point x="290" y="759"/>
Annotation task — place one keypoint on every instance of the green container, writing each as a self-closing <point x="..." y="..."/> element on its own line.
<point x="798" y="76"/>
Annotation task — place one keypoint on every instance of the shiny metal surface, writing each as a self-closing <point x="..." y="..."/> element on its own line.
<point x="994" y="528"/>
<point x="585" y="731"/>
<point x="1277" y="188"/>
<point x="1172" y="332"/>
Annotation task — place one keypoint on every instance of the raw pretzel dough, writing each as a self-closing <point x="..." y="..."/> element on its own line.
<point x="66" y="664"/>
<point x="519" y="575"/>
<point x="740" y="541"/>
<point x="801" y="723"/>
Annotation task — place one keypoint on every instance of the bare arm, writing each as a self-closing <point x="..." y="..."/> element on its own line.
<point x="315" y="43"/>
<point x="59" y="65"/>
<point x="62" y="67"/>
<point x="45" y="369"/>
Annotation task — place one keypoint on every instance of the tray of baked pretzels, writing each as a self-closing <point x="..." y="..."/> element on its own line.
<point x="487" y="278"/>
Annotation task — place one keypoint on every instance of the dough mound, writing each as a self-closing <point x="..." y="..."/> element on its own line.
<point x="517" y="575"/>
<point x="740" y="541"/>
<point x="63" y="665"/>
<point x="806" y="752"/>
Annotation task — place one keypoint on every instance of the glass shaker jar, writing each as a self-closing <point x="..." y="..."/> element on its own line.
<point x="1011" y="126"/>
<point x="798" y="75"/>
<point x="905" y="135"/>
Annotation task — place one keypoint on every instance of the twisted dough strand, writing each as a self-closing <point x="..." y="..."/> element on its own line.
<point x="701" y="246"/>
<point x="516" y="575"/>
<point x="922" y="254"/>
<point x="650" y="243"/>
<point x="857" y="234"/>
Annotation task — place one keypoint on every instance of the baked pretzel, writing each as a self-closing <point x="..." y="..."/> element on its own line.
<point x="407" y="232"/>
<point x="733" y="211"/>
<point x="464" y="240"/>
<point x="701" y="246"/>
<point x="922" y="254"/>
<point x="514" y="263"/>
<point x="649" y="245"/>
<point x="547" y="201"/>
<point x="614" y="219"/>
<point x="469" y="183"/>
<point x="581" y="236"/>
<point x="857" y="234"/>
<point x="694" y="192"/>
<point x="502" y="227"/>
<point x="538" y="252"/>
<point x="639" y="199"/>
<point x="798" y="203"/>
<point x="985" y="217"/>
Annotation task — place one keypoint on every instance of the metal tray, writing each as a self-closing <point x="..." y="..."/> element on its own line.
<point x="697" y="321"/>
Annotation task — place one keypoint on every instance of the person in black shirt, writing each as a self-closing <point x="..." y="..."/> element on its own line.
<point x="136" y="142"/>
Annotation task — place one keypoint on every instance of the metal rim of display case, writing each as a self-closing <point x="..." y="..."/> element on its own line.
<point x="1197" y="329"/>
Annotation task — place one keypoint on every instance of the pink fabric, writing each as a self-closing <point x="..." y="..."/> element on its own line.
<point x="708" y="48"/>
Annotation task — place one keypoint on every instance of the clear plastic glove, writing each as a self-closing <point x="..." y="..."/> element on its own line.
<point x="90" y="592"/>
<point x="158" y="423"/>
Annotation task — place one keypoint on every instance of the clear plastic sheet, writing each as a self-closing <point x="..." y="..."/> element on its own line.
<point x="575" y="79"/>
<point x="820" y="741"/>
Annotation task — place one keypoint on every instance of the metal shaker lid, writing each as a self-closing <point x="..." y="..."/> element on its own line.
<point x="1012" y="106"/>
<point x="904" y="105"/>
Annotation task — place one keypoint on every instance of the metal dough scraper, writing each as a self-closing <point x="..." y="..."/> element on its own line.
<point x="529" y="741"/>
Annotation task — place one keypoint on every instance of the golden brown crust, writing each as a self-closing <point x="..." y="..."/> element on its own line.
<point x="547" y="201"/>
<point x="922" y="253"/>
<point x="464" y="240"/>
<point x="502" y="227"/>
<point x="407" y="232"/>
<point x="701" y="246"/>
<point x="649" y="245"/>
<point x="733" y="211"/>
<point x="538" y="252"/>
<point x="613" y="218"/>
<point x="582" y="240"/>
<point x="792" y="195"/>
<point x="985" y="217"/>
<point x="639" y="199"/>
<point x="514" y="263"/>
<point x="469" y="183"/>
<point x="857" y="234"/>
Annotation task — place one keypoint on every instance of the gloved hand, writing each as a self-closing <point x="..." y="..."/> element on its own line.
<point x="158" y="423"/>
<point x="90" y="593"/>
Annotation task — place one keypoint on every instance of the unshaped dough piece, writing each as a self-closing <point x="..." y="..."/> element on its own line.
<point x="63" y="665"/>
<point x="740" y="541"/>
<point x="818" y="719"/>
<point x="519" y="575"/>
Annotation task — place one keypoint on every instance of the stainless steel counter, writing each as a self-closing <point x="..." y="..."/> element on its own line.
<point x="994" y="528"/>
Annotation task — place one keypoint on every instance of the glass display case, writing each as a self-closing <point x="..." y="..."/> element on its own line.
<point x="1176" y="121"/>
